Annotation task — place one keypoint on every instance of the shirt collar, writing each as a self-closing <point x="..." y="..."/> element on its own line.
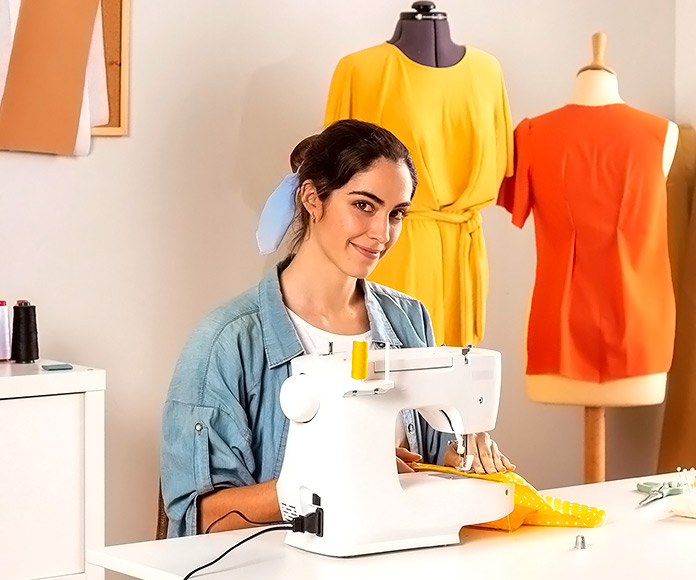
<point x="382" y="331"/>
<point x="280" y="339"/>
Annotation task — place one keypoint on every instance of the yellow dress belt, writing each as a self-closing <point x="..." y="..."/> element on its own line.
<point x="470" y="219"/>
<point x="473" y="274"/>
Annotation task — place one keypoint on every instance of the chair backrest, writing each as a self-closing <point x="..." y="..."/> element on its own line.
<point x="162" y="519"/>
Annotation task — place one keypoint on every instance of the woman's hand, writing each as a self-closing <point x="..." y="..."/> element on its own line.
<point x="487" y="456"/>
<point x="403" y="458"/>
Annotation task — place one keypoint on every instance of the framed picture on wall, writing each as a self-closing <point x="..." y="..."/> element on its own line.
<point x="116" y="23"/>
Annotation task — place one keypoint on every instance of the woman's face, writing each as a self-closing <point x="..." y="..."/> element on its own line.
<point x="357" y="224"/>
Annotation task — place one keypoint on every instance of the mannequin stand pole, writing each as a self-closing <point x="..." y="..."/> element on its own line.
<point x="595" y="444"/>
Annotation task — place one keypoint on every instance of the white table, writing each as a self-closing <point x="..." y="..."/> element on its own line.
<point x="648" y="542"/>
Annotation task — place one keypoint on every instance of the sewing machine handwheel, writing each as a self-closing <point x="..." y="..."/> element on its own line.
<point x="299" y="398"/>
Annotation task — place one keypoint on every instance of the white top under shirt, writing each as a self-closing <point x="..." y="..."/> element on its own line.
<point x="316" y="341"/>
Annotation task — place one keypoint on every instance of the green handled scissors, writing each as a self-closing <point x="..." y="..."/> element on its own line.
<point x="657" y="490"/>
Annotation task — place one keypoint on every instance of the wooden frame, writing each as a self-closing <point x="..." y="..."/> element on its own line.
<point x="116" y="15"/>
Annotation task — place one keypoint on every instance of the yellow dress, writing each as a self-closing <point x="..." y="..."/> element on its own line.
<point x="456" y="123"/>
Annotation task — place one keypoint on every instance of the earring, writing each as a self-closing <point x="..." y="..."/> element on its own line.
<point x="314" y="219"/>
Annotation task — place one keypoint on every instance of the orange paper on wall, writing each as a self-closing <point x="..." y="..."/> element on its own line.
<point x="40" y="108"/>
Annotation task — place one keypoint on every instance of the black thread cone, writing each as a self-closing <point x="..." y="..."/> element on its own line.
<point x="25" y="338"/>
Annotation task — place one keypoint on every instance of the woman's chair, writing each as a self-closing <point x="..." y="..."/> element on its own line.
<point x="162" y="519"/>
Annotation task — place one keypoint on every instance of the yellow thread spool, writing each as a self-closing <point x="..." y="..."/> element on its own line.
<point x="359" y="361"/>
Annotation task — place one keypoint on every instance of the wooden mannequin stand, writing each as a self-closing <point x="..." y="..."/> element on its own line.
<point x="595" y="444"/>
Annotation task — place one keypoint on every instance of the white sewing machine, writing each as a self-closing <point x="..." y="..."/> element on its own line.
<point x="339" y="458"/>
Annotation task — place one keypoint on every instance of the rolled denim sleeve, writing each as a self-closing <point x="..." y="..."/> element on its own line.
<point x="206" y="439"/>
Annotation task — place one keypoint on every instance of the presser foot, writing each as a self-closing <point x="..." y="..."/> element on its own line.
<point x="466" y="459"/>
<point x="467" y="463"/>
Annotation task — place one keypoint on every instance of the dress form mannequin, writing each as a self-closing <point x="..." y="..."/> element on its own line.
<point x="463" y="144"/>
<point x="597" y="85"/>
<point x="424" y="37"/>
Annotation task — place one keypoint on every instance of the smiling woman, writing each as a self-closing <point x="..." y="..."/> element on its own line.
<point x="329" y="160"/>
<point x="224" y="432"/>
<point x="355" y="225"/>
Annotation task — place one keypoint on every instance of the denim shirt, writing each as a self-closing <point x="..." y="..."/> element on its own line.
<point x="223" y="425"/>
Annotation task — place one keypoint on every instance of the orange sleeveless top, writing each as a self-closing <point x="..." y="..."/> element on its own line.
<point x="603" y="304"/>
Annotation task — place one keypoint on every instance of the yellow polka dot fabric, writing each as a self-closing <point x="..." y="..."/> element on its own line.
<point x="531" y="507"/>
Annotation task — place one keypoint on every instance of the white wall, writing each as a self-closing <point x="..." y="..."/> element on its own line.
<point x="685" y="62"/>
<point x="123" y="251"/>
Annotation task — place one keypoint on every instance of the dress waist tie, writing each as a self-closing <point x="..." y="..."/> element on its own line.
<point x="473" y="270"/>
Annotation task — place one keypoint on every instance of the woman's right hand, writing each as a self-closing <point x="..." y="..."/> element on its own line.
<point x="487" y="458"/>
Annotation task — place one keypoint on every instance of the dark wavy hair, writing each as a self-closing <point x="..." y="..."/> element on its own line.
<point x="333" y="157"/>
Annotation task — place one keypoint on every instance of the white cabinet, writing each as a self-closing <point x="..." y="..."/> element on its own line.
<point x="51" y="471"/>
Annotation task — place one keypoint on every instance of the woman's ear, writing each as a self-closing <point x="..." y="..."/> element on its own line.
<point x="309" y="197"/>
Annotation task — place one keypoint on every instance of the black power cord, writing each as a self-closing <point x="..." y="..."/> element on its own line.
<point x="310" y="524"/>
<point x="221" y="556"/>
<point x="246" y="519"/>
